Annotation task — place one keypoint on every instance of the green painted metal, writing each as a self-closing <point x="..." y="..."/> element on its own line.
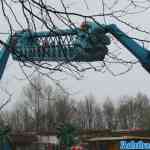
<point x="61" y="45"/>
<point x="4" y="55"/>
<point x="86" y="44"/>
<point x="5" y="143"/>
<point x="67" y="134"/>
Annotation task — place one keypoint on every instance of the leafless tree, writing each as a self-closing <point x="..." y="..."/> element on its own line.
<point x="64" y="109"/>
<point x="109" y="114"/>
<point x="50" y="15"/>
<point x="90" y="114"/>
<point x="56" y="107"/>
<point x="6" y="97"/>
<point x="132" y="112"/>
<point x="41" y="107"/>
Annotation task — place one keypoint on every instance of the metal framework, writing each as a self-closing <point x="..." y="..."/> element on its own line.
<point x="85" y="44"/>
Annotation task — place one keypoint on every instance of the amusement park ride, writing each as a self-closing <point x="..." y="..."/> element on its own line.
<point x="85" y="44"/>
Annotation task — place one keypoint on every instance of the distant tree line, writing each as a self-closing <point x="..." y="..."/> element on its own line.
<point x="41" y="108"/>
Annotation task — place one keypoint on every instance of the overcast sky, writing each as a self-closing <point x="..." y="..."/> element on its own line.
<point x="100" y="85"/>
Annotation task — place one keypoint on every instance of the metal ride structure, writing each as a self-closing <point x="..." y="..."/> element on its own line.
<point x="5" y="142"/>
<point x="67" y="135"/>
<point x="85" y="44"/>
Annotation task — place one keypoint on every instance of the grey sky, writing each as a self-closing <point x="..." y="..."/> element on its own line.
<point x="99" y="84"/>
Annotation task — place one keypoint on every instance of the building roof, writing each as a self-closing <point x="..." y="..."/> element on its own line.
<point x="117" y="138"/>
<point x="23" y="138"/>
